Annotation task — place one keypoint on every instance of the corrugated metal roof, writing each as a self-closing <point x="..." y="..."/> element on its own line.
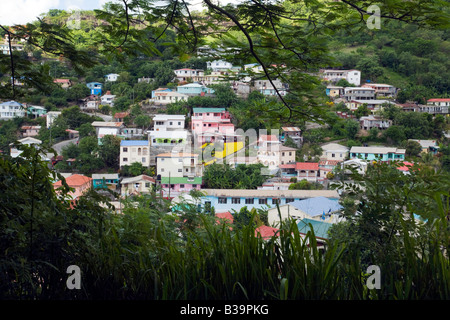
<point x="130" y="143"/>
<point x="307" y="166"/>
<point x="290" y="129"/>
<point x="320" y="228"/>
<point x="316" y="206"/>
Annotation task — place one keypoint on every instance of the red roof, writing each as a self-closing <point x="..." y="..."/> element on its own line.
<point x="439" y="100"/>
<point x="267" y="137"/>
<point x="406" y="166"/>
<point x="266" y="232"/>
<point x="225" y="216"/>
<point x="120" y="115"/>
<point x="287" y="166"/>
<point x="74" y="181"/>
<point x="307" y="166"/>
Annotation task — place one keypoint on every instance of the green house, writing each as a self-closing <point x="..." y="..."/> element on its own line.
<point x="105" y="180"/>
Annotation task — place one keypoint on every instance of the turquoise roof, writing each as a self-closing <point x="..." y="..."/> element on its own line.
<point x="201" y="110"/>
<point x="320" y="228"/>
<point x="129" y="143"/>
<point x="181" y="180"/>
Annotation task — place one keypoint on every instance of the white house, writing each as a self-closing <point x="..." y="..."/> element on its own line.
<point x="352" y="76"/>
<point x="219" y="65"/>
<point x="371" y="121"/>
<point x="439" y="102"/>
<point x="134" y="151"/>
<point x="178" y="164"/>
<point x="137" y="185"/>
<point x="187" y="73"/>
<point x="334" y="151"/>
<point x="112" y="77"/>
<point x="108" y="99"/>
<point x="51" y="116"/>
<point x="167" y="97"/>
<point x="168" y="138"/>
<point x="164" y="122"/>
<point x="11" y="109"/>
<point x="14" y="152"/>
<point x="373" y="105"/>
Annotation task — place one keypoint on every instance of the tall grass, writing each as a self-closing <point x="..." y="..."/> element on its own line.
<point x="214" y="262"/>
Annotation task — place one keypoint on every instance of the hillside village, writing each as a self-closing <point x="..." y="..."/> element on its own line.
<point x="156" y="148"/>
<point x="259" y="150"/>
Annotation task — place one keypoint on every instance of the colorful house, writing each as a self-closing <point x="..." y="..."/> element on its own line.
<point x="137" y="185"/>
<point x="216" y="120"/>
<point x="95" y="87"/>
<point x="377" y="153"/>
<point x="195" y="89"/>
<point x="36" y="111"/>
<point x="176" y="185"/>
<point x="105" y="181"/>
<point x="234" y="199"/>
<point x="81" y="184"/>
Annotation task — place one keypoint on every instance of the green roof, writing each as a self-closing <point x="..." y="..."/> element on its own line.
<point x="181" y="180"/>
<point x="202" y="110"/>
<point x="320" y="227"/>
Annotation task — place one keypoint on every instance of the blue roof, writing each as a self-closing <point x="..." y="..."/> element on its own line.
<point x="320" y="228"/>
<point x="134" y="143"/>
<point x="316" y="206"/>
<point x="11" y="103"/>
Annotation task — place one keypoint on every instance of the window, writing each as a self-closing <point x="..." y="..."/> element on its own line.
<point x="289" y="200"/>
<point x="125" y="159"/>
<point x="236" y="200"/>
<point x="179" y="123"/>
<point x="275" y="200"/>
<point x="180" y="170"/>
<point x="170" y="122"/>
<point x="249" y="201"/>
<point x="162" y="169"/>
<point x="181" y="185"/>
<point x="125" y="149"/>
<point x="143" y="160"/>
<point x="147" y="184"/>
<point x="332" y="155"/>
<point x="262" y="201"/>
<point x="180" y="160"/>
<point x="222" y="200"/>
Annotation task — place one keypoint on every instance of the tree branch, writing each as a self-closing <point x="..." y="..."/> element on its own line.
<point x="251" y="48"/>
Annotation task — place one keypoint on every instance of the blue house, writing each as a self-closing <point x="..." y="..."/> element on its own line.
<point x="105" y="181"/>
<point x="194" y="89"/>
<point x="231" y="200"/>
<point x="95" y="87"/>
<point x="377" y="153"/>
<point x="160" y="90"/>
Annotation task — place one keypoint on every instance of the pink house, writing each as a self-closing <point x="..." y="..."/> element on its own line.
<point x="208" y="122"/>
<point x="80" y="183"/>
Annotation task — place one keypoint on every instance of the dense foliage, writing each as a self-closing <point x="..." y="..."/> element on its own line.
<point x="154" y="252"/>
